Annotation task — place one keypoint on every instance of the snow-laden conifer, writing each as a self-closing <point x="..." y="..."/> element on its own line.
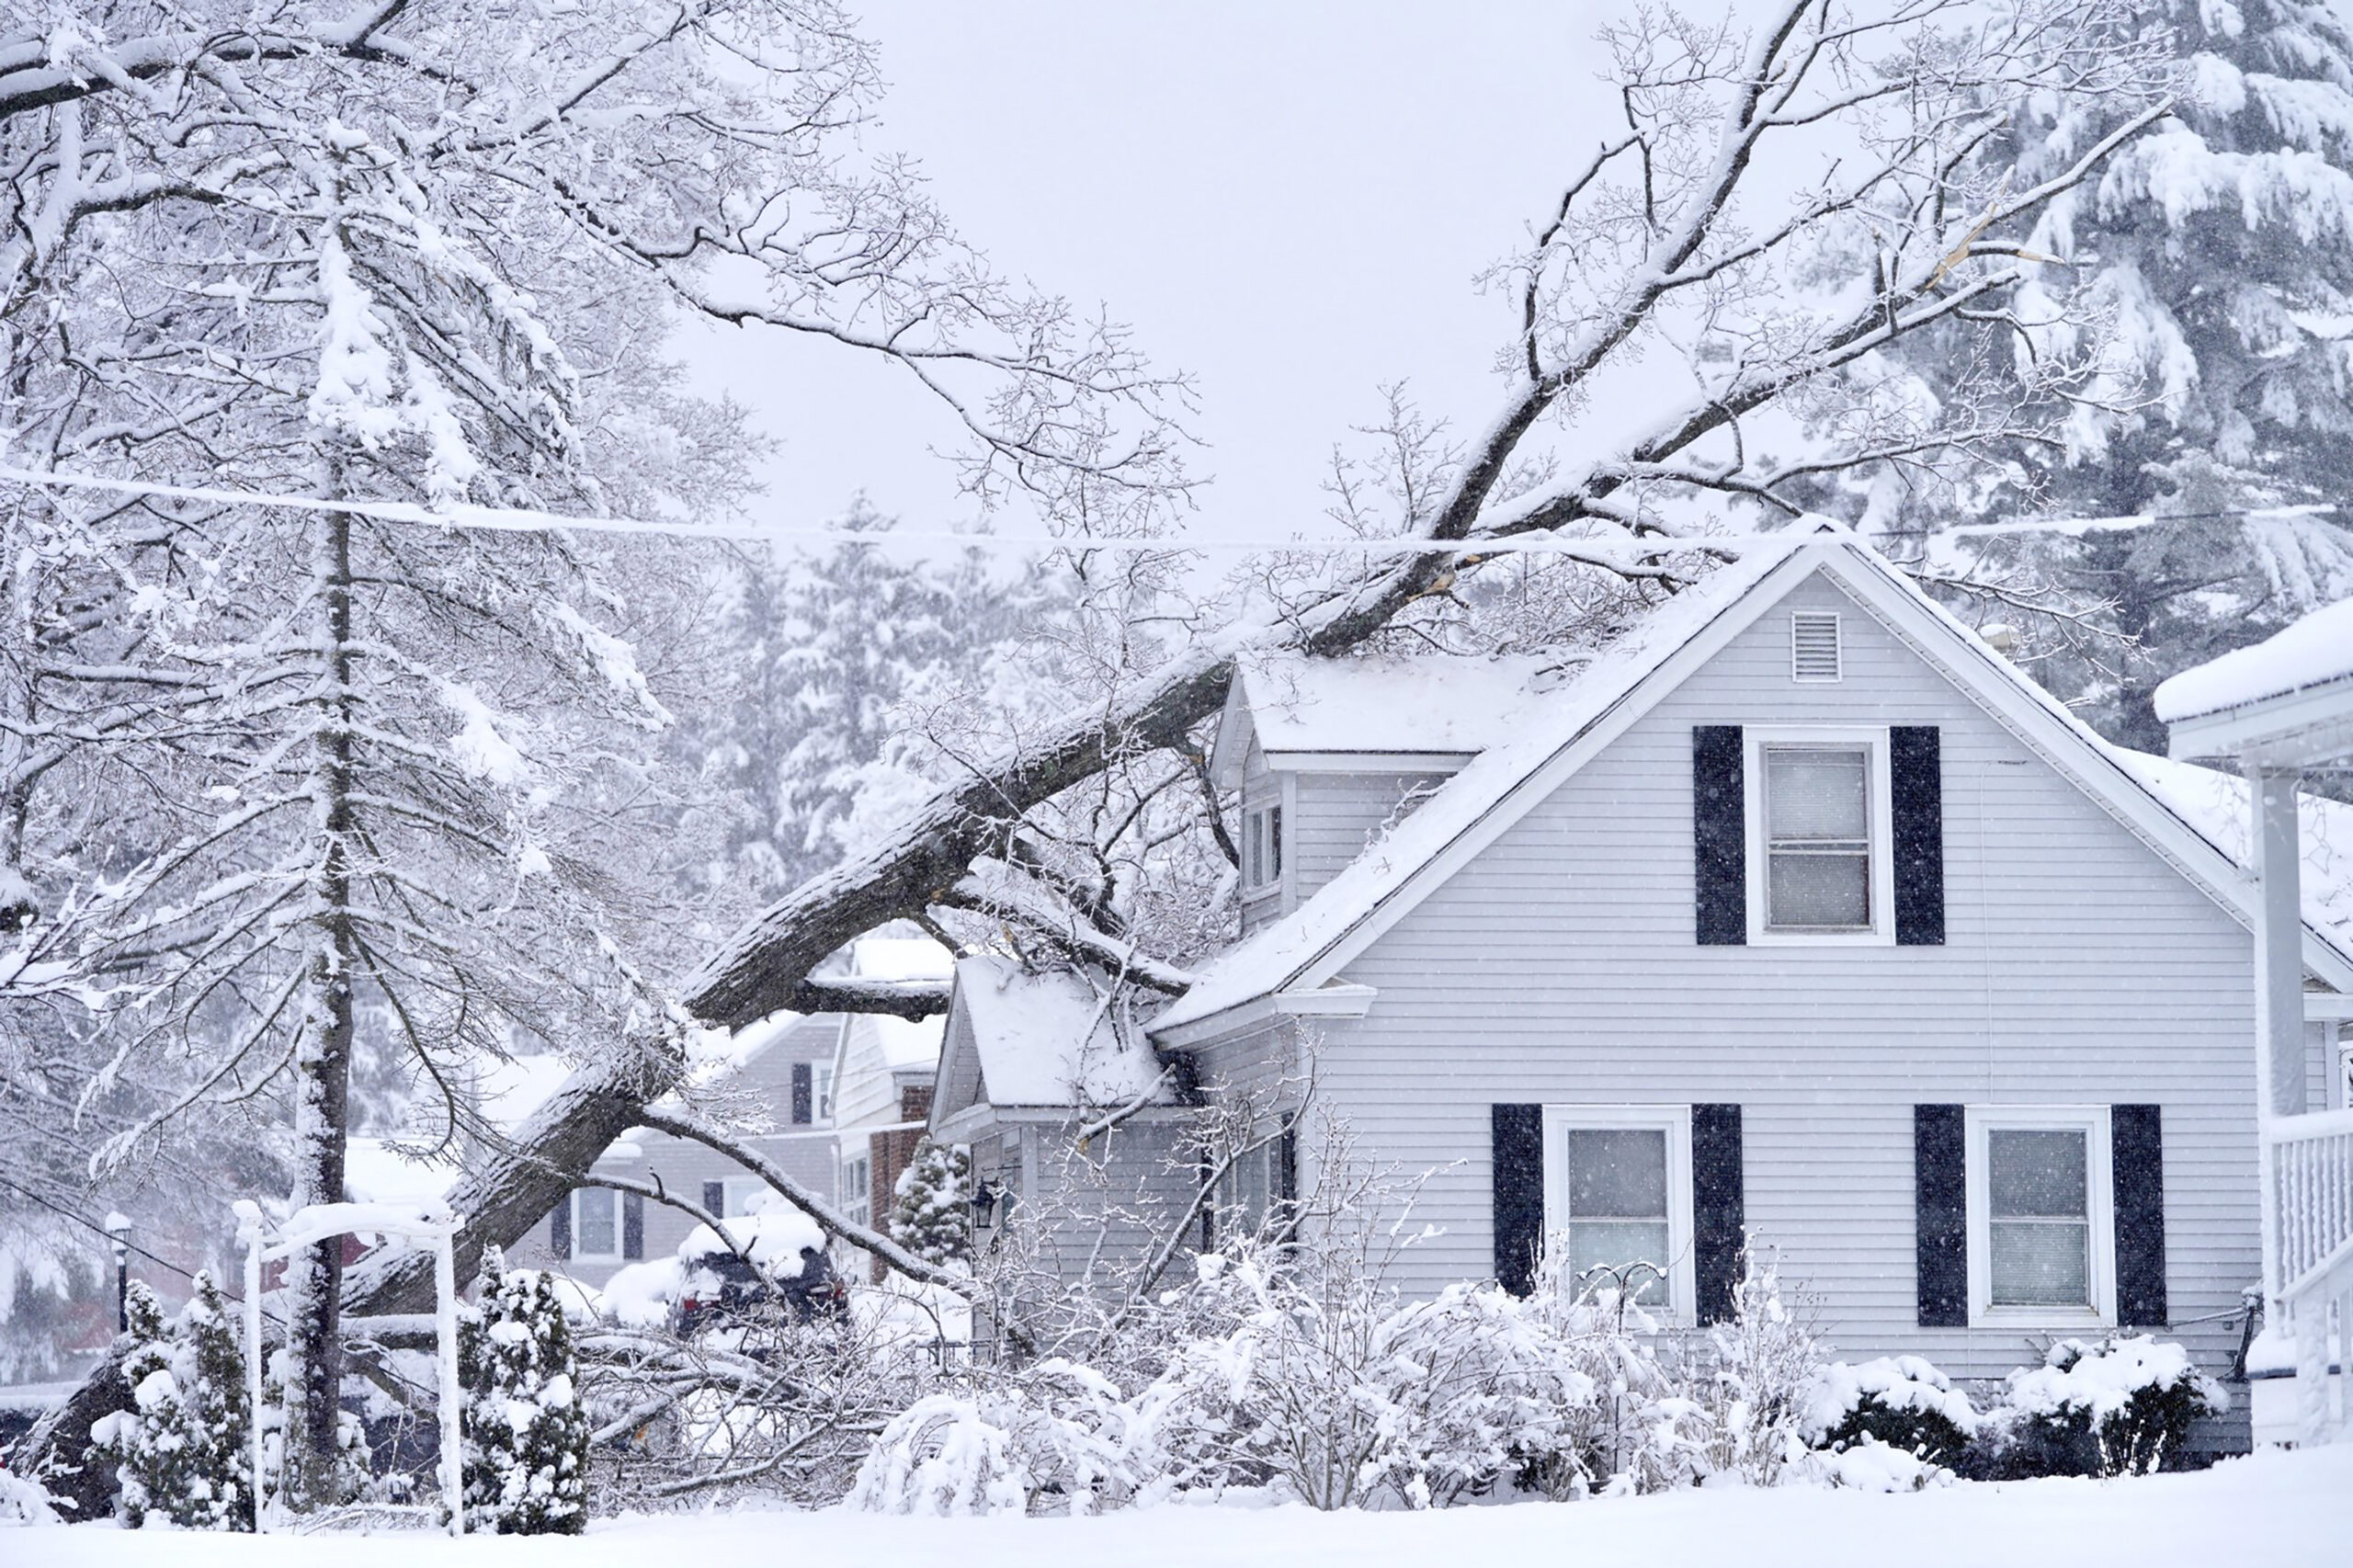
<point x="526" y="1431"/>
<point x="931" y="1213"/>
<point x="184" y="1449"/>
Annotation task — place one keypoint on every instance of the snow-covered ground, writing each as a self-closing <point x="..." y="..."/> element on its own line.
<point x="2276" y="1510"/>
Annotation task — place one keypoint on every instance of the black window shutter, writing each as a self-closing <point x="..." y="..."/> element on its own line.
<point x="1718" y="1208"/>
<point x="804" y="1092"/>
<point x="1286" y="1162"/>
<point x="1519" y="1194"/>
<point x="1916" y="804"/>
<point x="632" y="1226"/>
<point x="1940" y="1163"/>
<point x="560" y="1228"/>
<point x="2136" y="1137"/>
<point x="1719" y="835"/>
<point x="714" y="1198"/>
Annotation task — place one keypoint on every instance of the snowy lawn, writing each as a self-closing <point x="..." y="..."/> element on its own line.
<point x="2278" y="1510"/>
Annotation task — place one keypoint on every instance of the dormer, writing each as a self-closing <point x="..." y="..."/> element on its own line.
<point x="1328" y="754"/>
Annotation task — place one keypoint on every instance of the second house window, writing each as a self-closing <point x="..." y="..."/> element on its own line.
<point x="1818" y="835"/>
<point x="1262" y="848"/>
<point x="2039" y="1215"/>
<point x="596" y="1223"/>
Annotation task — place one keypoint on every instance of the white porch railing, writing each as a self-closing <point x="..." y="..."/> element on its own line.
<point x="2309" y="1160"/>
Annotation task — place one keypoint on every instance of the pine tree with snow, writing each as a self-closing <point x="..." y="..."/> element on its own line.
<point x="2209" y="276"/>
<point x="931" y="1216"/>
<point x="183" y="1450"/>
<point x="526" y="1434"/>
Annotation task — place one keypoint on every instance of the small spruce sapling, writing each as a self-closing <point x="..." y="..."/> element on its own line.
<point x="932" y="1216"/>
<point x="183" y="1448"/>
<point x="526" y="1433"/>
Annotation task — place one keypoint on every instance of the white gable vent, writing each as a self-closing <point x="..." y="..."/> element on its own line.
<point x="1813" y="645"/>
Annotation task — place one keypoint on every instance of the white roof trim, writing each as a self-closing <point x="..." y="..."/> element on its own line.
<point x="1996" y="685"/>
<point x="1371" y="761"/>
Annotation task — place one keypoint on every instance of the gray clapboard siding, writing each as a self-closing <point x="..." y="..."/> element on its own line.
<point x="1560" y="966"/>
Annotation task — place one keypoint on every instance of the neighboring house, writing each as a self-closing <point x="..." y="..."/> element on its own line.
<point x="883" y="1072"/>
<point x="783" y="1064"/>
<point x="1799" y="915"/>
<point x="1031" y="1061"/>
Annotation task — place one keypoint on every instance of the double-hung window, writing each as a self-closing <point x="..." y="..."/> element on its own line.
<point x="1818" y="835"/>
<point x="595" y="1223"/>
<point x="1618" y="1197"/>
<point x="1262" y="849"/>
<point x="2040" y="1227"/>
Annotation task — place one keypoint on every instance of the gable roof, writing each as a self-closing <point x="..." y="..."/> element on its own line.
<point x="1431" y="705"/>
<point x="1050" y="1040"/>
<point x="1306" y="948"/>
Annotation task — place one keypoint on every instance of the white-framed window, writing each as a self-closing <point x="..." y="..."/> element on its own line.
<point x="1262" y="848"/>
<point x="858" y="1183"/>
<point x="1617" y="1193"/>
<point x="1819" y="826"/>
<point x="596" y="1224"/>
<point x="1245" y="1193"/>
<point x="745" y="1196"/>
<point x="825" y="1079"/>
<point x="2041" y="1216"/>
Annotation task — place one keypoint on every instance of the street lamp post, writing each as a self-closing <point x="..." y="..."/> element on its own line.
<point x="118" y="1232"/>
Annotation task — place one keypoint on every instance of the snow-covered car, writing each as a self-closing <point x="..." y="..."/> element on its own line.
<point x="718" y="1283"/>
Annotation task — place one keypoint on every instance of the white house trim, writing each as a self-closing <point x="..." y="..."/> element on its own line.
<point x="1675" y="1121"/>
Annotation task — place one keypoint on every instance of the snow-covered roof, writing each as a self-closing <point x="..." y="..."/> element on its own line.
<point x="377" y="1170"/>
<point x="715" y="1053"/>
<point x="1432" y="704"/>
<point x="2315" y="650"/>
<point x="2215" y="804"/>
<point x="1048" y="1039"/>
<point x="1275" y="956"/>
<point x="1305" y="948"/>
<point x="899" y="958"/>
<point x="907" y="1045"/>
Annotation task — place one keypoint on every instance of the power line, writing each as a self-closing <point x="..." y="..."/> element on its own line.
<point x="89" y="1223"/>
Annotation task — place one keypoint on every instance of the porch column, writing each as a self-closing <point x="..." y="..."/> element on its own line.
<point x="2278" y="944"/>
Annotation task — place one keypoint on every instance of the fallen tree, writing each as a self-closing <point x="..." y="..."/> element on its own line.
<point x="1651" y="248"/>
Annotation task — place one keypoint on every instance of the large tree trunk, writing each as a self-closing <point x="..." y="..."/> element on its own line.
<point x="314" y="1467"/>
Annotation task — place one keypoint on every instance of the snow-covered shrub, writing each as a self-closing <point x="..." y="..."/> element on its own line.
<point x="1055" y="1434"/>
<point x="1902" y="1402"/>
<point x="1754" y="1377"/>
<point x="23" y="1501"/>
<point x="526" y="1433"/>
<point x="931" y="1214"/>
<point x="183" y="1451"/>
<point x="2115" y="1406"/>
<point x="1867" y="1464"/>
<point x="1641" y="1431"/>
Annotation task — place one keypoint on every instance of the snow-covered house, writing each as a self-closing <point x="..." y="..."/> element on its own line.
<point x="784" y="1065"/>
<point x="1034" y="1065"/>
<point x="1798" y="915"/>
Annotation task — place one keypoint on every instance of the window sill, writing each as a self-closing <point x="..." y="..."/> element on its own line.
<point x="1771" y="938"/>
<point x="2038" y="1318"/>
<point x="1260" y="895"/>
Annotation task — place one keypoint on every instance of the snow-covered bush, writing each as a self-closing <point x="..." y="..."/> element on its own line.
<point x="2119" y="1405"/>
<point x="23" y="1501"/>
<point x="1753" y="1380"/>
<point x="1641" y="1431"/>
<point x="931" y="1214"/>
<point x="1056" y="1432"/>
<point x="1868" y="1464"/>
<point x="526" y="1432"/>
<point x="183" y="1451"/>
<point x="1902" y="1402"/>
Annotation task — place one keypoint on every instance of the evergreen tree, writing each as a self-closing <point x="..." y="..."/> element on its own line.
<point x="844" y="663"/>
<point x="932" y="1216"/>
<point x="526" y="1434"/>
<point x="2211" y="276"/>
<point x="183" y="1450"/>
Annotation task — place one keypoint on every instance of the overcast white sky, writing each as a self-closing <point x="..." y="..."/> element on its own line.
<point x="1288" y="200"/>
